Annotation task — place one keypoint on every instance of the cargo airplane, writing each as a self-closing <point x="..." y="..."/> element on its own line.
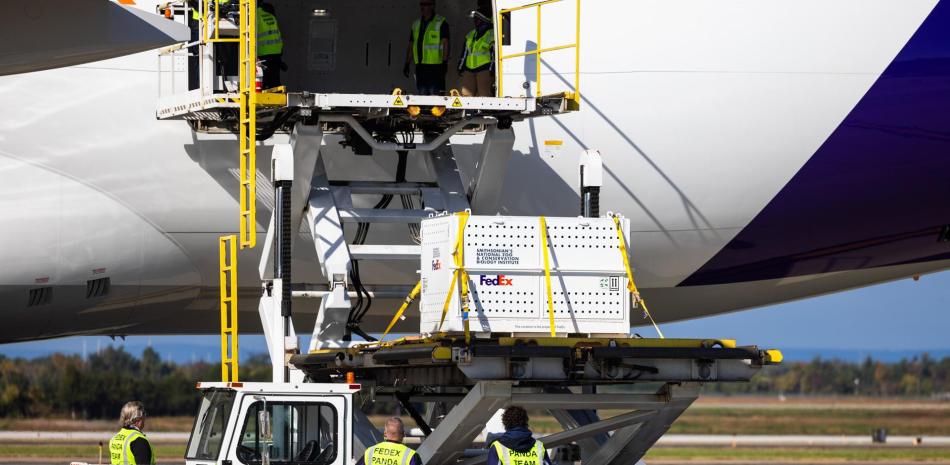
<point x="764" y="151"/>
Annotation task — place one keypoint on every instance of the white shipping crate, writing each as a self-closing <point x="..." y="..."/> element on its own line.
<point x="505" y="264"/>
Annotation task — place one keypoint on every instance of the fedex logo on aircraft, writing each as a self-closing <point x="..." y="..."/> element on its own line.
<point x="499" y="280"/>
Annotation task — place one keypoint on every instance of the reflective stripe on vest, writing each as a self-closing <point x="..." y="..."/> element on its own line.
<point x="507" y="456"/>
<point x="478" y="52"/>
<point x="269" y="41"/>
<point x="431" y="41"/>
<point x="120" y="447"/>
<point x="388" y="453"/>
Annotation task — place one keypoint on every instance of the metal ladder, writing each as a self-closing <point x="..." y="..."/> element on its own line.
<point x="247" y="136"/>
<point x="229" y="301"/>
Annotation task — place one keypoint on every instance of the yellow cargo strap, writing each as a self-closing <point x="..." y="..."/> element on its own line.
<point x="405" y="304"/>
<point x="448" y="299"/>
<point x="460" y="276"/>
<point x="630" y="284"/>
<point x="547" y="274"/>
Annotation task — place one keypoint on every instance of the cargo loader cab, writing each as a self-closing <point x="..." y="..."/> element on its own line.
<point x="268" y="423"/>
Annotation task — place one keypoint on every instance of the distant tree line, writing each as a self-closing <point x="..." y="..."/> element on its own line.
<point x="96" y="387"/>
<point x="918" y="376"/>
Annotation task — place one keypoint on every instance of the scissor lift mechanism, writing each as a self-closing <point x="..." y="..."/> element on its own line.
<point x="572" y="378"/>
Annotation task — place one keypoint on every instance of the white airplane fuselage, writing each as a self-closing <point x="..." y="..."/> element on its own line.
<point x="764" y="151"/>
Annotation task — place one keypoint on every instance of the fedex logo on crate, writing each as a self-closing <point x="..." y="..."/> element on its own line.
<point x="497" y="280"/>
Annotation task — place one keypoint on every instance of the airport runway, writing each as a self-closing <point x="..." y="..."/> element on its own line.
<point x="667" y="440"/>
<point x="797" y="440"/>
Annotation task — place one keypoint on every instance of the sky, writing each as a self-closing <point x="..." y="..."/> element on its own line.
<point x="887" y="321"/>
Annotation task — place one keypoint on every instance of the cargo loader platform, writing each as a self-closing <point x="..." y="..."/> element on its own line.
<point x="451" y="388"/>
<point x="538" y="360"/>
<point x="423" y="110"/>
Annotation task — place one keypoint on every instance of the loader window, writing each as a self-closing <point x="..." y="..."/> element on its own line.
<point x="303" y="433"/>
<point x="210" y="424"/>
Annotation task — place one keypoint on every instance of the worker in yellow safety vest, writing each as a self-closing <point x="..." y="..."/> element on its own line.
<point x="477" y="64"/>
<point x="428" y="50"/>
<point x="391" y="451"/>
<point x="517" y="446"/>
<point x="270" y="45"/>
<point x="130" y="446"/>
<point x="194" y="25"/>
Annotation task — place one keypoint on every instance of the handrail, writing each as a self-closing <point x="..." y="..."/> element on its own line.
<point x="576" y="95"/>
<point x="205" y="8"/>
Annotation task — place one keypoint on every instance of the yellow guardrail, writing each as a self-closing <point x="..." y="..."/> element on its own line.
<point x="216" y="35"/>
<point x="229" y="301"/>
<point x="576" y="95"/>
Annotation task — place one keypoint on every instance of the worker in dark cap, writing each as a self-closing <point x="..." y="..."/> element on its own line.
<point x="517" y="445"/>
<point x="477" y="64"/>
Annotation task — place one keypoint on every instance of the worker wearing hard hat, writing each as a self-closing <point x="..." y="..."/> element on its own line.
<point x="130" y="446"/>
<point x="391" y="451"/>
<point x="270" y="45"/>
<point x="517" y="445"/>
<point x="477" y="64"/>
<point x="428" y="50"/>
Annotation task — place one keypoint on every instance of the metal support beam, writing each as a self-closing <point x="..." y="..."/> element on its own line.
<point x="365" y="435"/>
<point x="464" y="422"/>
<point x="611" y="450"/>
<point x="491" y="168"/>
<point x="279" y="336"/>
<point x="404" y="401"/>
<point x="587" y="401"/>
<point x="305" y="144"/>
<point x="326" y="229"/>
<point x="573" y="419"/>
<point x="620" y="450"/>
<point x="442" y="165"/>
<point x="623" y="420"/>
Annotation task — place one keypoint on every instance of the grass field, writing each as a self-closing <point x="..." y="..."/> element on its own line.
<point x="164" y="424"/>
<point x="802" y="454"/>
<point x="80" y="452"/>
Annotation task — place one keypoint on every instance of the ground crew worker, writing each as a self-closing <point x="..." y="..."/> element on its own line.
<point x="477" y="64"/>
<point x="428" y="50"/>
<point x="391" y="451"/>
<point x="516" y="446"/>
<point x="270" y="45"/>
<point x="194" y="25"/>
<point x="130" y="446"/>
